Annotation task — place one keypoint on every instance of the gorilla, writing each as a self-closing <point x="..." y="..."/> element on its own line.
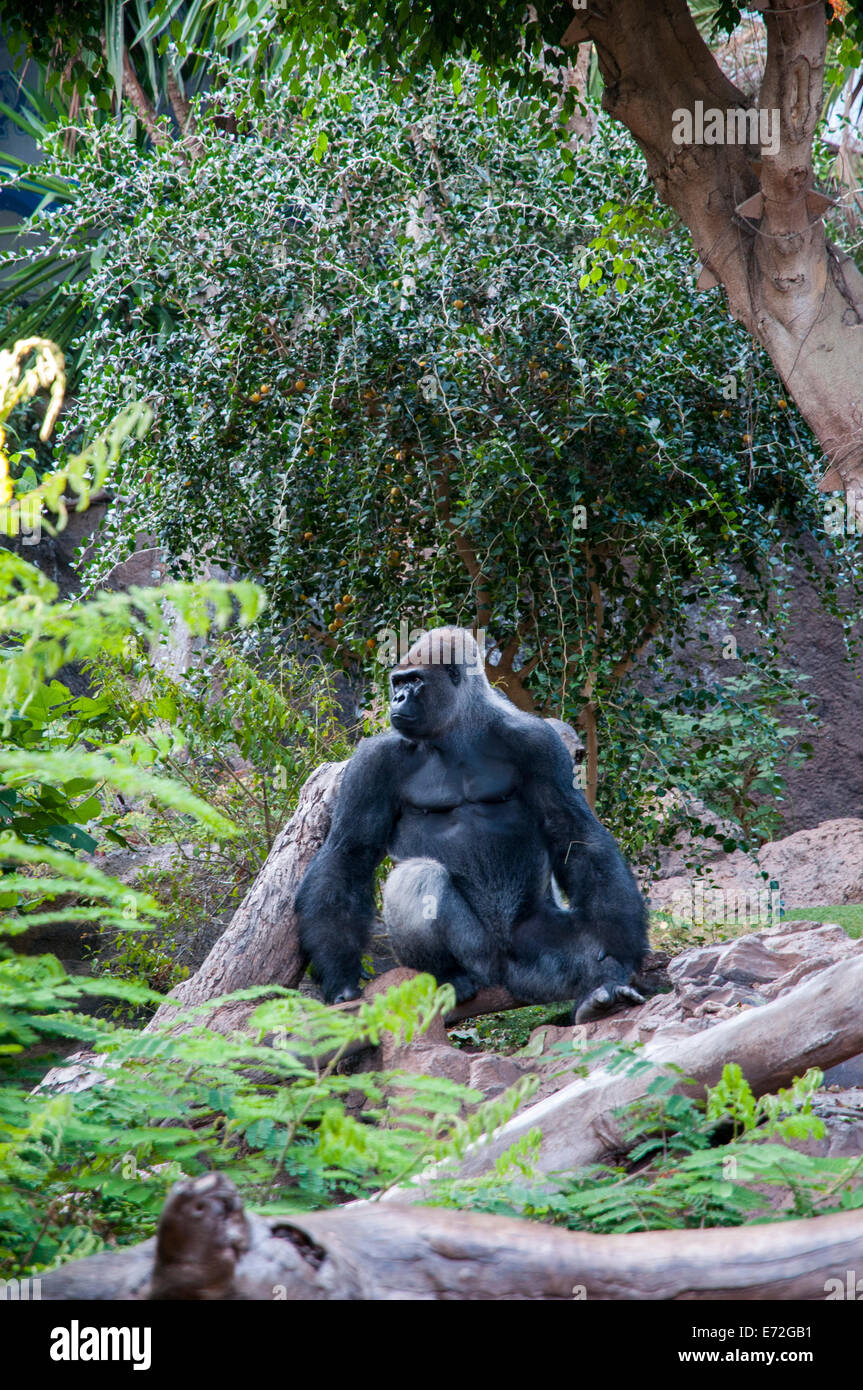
<point x="475" y="802"/>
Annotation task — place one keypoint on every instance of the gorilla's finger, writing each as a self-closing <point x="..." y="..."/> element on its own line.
<point x="627" y="992"/>
<point x="594" y="1006"/>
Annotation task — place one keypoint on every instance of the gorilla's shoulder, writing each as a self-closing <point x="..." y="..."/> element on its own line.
<point x="380" y="750"/>
<point x="530" y="734"/>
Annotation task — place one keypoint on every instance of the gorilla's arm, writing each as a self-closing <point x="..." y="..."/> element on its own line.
<point x="335" y="901"/>
<point x="586" y="862"/>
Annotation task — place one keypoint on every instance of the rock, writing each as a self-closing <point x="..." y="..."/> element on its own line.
<point x="491" y="1073"/>
<point x="811" y="867"/>
<point x="431" y="1059"/>
<point x="714" y="982"/>
<point x="842" y="1113"/>
<point x="432" y="1054"/>
<point x="823" y="865"/>
<point x="143" y="570"/>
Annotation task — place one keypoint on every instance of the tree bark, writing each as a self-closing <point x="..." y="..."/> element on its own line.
<point x="144" y="109"/>
<point x="207" y="1249"/>
<point x="818" y="1024"/>
<point x="798" y="296"/>
<point x="261" y="946"/>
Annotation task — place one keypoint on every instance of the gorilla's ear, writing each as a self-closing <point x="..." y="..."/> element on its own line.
<point x="455" y="673"/>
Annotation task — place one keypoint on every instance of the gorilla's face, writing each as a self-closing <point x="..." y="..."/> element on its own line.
<point x="424" y="700"/>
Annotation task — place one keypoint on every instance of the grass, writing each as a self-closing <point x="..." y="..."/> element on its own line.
<point x="675" y="934"/>
<point x="507" y="1032"/>
<point x="847" y="915"/>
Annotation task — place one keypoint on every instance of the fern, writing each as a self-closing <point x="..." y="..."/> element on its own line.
<point x="678" y="1174"/>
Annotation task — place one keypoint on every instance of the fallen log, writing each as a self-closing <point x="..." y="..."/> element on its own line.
<point x="818" y="1024"/>
<point x="260" y="945"/>
<point x="207" y="1248"/>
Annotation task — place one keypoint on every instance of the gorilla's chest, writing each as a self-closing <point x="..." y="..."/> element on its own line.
<point x="441" y="784"/>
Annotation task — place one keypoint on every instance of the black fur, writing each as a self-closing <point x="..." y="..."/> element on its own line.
<point x="474" y="800"/>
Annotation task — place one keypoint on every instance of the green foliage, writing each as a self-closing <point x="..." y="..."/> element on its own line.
<point x="55" y="788"/>
<point x="729" y="747"/>
<point x="372" y="400"/>
<point x="270" y="1108"/>
<point x="507" y="1032"/>
<point x="252" y="733"/>
<point x="681" y="1172"/>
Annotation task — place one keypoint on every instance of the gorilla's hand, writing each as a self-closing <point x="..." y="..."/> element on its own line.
<point x="605" y="999"/>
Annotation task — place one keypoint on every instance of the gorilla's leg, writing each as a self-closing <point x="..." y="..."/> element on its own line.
<point x="432" y="928"/>
<point x="552" y="957"/>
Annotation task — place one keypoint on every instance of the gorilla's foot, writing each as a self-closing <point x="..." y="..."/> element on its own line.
<point x="606" y="999"/>
<point x="202" y="1234"/>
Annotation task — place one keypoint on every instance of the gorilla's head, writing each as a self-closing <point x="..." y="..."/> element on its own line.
<point x="436" y="683"/>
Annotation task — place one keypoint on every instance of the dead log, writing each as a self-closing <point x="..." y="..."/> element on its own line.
<point x="260" y="946"/>
<point x="818" y="1024"/>
<point x="208" y="1249"/>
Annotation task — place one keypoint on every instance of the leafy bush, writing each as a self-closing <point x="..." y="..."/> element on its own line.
<point x="270" y="1107"/>
<point x="249" y="741"/>
<point x="251" y="736"/>
<point x="369" y="396"/>
<point x="684" y="1168"/>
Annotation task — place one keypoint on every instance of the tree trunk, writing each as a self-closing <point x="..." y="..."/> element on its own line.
<point x="208" y="1249"/>
<point x="260" y="946"/>
<point x="799" y="296"/>
<point x="818" y="1024"/>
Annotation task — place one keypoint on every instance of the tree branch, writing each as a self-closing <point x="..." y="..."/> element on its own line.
<point x="144" y="108"/>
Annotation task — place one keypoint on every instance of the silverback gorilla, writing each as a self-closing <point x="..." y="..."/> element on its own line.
<point x="474" y="800"/>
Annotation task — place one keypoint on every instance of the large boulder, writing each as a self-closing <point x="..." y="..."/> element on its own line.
<point x="816" y="867"/>
<point x="712" y="983"/>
